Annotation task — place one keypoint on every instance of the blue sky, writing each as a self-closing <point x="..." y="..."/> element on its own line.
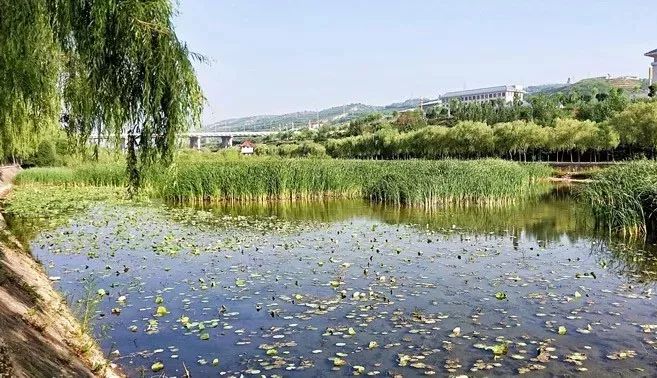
<point x="279" y="56"/>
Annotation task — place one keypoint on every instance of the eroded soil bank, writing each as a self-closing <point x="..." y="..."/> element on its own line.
<point x="39" y="336"/>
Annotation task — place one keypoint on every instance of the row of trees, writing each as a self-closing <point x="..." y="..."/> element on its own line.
<point x="292" y="150"/>
<point x="634" y="129"/>
<point x="542" y="109"/>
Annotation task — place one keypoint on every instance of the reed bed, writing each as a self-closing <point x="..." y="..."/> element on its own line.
<point x="624" y="198"/>
<point x="412" y="183"/>
<point x="408" y="183"/>
<point x="85" y="175"/>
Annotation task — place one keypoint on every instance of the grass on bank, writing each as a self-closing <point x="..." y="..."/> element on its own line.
<point x="410" y="182"/>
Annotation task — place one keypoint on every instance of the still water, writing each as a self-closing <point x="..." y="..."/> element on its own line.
<point x="344" y="288"/>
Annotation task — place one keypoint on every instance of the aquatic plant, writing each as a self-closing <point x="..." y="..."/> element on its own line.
<point x="412" y="182"/>
<point x="624" y="198"/>
<point x="84" y="175"/>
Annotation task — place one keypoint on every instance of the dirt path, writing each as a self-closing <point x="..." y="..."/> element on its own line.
<point x="39" y="336"/>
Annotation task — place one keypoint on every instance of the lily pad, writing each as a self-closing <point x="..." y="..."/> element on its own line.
<point x="157" y="367"/>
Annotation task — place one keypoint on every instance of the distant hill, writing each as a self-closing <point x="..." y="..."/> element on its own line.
<point x="346" y="113"/>
<point x="545" y="88"/>
<point x="592" y="86"/>
<point x="336" y="114"/>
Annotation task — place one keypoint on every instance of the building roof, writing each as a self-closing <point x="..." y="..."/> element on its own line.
<point x="247" y="143"/>
<point x="652" y="53"/>
<point x="502" y="88"/>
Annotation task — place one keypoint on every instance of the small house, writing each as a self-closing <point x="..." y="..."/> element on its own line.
<point x="247" y="147"/>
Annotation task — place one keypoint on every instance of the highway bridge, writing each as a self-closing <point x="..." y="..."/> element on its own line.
<point x="196" y="138"/>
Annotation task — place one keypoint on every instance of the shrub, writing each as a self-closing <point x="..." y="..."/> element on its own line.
<point x="45" y="155"/>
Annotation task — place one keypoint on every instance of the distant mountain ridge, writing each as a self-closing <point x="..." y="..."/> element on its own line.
<point x="346" y="113"/>
<point x="336" y="114"/>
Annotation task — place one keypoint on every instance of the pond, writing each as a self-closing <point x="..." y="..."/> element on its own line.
<point x="343" y="287"/>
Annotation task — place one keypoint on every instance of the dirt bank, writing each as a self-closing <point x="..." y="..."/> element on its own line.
<point x="39" y="336"/>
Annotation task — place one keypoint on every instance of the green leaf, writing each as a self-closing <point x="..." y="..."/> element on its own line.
<point x="500" y="349"/>
<point x="161" y="311"/>
<point x="157" y="367"/>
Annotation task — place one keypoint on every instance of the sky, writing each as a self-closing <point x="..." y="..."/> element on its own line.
<point x="281" y="56"/>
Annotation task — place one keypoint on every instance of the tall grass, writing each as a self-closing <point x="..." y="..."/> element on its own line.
<point x="413" y="183"/>
<point x="624" y="198"/>
<point x="84" y="175"/>
<point x="456" y="182"/>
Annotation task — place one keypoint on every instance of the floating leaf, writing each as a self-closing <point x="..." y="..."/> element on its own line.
<point x="500" y="295"/>
<point x="337" y="361"/>
<point x="161" y="311"/>
<point x="562" y="330"/>
<point x="157" y="367"/>
<point x="500" y="349"/>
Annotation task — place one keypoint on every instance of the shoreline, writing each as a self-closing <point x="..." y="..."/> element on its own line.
<point x="35" y="320"/>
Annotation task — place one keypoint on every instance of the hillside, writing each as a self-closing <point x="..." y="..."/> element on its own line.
<point x="345" y="113"/>
<point x="591" y="86"/>
<point x="336" y="114"/>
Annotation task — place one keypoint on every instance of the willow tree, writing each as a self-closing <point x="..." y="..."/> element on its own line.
<point x="112" y="67"/>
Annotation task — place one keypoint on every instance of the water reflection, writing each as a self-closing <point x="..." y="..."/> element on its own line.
<point x="550" y="218"/>
<point x="553" y="218"/>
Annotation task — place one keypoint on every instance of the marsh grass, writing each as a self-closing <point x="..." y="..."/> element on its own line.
<point x="624" y="198"/>
<point x="408" y="183"/>
<point x="84" y="175"/>
<point x="412" y="183"/>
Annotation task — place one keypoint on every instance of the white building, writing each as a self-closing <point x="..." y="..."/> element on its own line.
<point x="247" y="147"/>
<point x="652" y="74"/>
<point x="507" y="93"/>
<point x="314" y="125"/>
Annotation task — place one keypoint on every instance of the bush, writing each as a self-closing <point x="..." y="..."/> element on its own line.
<point x="45" y="155"/>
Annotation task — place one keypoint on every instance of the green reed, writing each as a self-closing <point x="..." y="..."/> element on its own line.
<point x="409" y="182"/>
<point x="624" y="198"/>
